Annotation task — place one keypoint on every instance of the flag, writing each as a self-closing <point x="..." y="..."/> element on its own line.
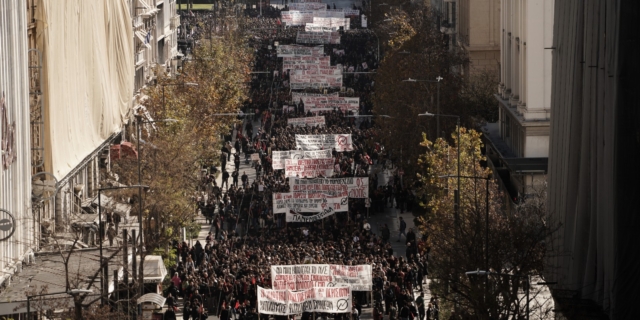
<point x="237" y="304"/>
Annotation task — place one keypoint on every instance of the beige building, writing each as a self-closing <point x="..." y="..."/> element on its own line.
<point x="519" y="142"/>
<point x="17" y="225"/>
<point x="475" y="26"/>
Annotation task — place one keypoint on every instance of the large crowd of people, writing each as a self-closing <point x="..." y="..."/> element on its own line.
<point x="220" y="275"/>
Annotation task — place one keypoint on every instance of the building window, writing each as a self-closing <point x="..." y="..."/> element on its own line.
<point x="507" y="127"/>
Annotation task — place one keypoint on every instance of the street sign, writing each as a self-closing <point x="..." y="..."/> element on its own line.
<point x="367" y="202"/>
<point x="400" y="172"/>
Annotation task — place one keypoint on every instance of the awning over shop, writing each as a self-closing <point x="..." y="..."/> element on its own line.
<point x="154" y="269"/>
<point x="109" y="204"/>
<point x="124" y="150"/>
<point x="152" y="297"/>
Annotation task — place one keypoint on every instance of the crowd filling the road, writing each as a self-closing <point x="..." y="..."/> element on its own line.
<point x="221" y="275"/>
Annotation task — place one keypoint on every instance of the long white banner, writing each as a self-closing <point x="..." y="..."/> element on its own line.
<point x="307" y="122"/>
<point x="278" y="157"/>
<point x="309" y="202"/>
<point x="356" y="187"/>
<point x="287" y="302"/>
<point x="318" y="37"/>
<point x="341" y="142"/>
<point x="307" y="6"/>
<point x="317" y="104"/>
<point x="305" y="62"/>
<point x="290" y="51"/>
<point x="296" y="96"/>
<point x="299" y="277"/>
<point x="336" y="22"/>
<point x="308" y="168"/>
<point x="297" y="18"/>
<point x="317" y="81"/>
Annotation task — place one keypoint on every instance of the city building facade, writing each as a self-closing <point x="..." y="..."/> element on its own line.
<point x="518" y="144"/>
<point x="86" y="81"/>
<point x="475" y="26"/>
<point x="17" y="225"/>
<point x="593" y="160"/>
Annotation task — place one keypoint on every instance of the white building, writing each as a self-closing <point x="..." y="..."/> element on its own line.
<point x="17" y="226"/>
<point x="519" y="143"/>
<point x="155" y="24"/>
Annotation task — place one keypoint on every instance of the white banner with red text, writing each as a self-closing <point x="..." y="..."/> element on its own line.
<point x="288" y="302"/>
<point x="304" y="276"/>
<point x="355" y="187"/>
<point x="278" y="157"/>
<point x="309" y="168"/>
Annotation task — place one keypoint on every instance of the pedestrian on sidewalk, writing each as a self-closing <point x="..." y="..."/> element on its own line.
<point x="421" y="307"/>
<point x="385" y="233"/>
<point x="225" y="179"/>
<point x="111" y="234"/>
<point x="235" y="174"/>
<point x="403" y="228"/>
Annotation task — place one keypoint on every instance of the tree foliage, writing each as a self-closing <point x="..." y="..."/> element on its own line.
<point x="416" y="50"/>
<point x="458" y="241"/>
<point x="211" y="83"/>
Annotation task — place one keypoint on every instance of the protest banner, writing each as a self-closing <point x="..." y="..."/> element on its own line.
<point x="339" y="142"/>
<point x="307" y="122"/>
<point x="278" y="158"/>
<point x="318" y="37"/>
<point x="305" y="62"/>
<point x="299" y="51"/>
<point x="297" y="17"/>
<point x="309" y="202"/>
<point x="317" y="104"/>
<point x="351" y="12"/>
<point x="300" y="277"/>
<point x="309" y="168"/>
<point x="288" y="302"/>
<point x="296" y="96"/>
<point x="356" y="187"/>
<point x="329" y="13"/>
<point x="307" y="6"/>
<point x="312" y="27"/>
<point x="255" y="157"/>
<point x="316" y="81"/>
<point x="332" y="22"/>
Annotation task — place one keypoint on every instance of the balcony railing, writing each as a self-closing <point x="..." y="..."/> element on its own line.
<point x="140" y="57"/>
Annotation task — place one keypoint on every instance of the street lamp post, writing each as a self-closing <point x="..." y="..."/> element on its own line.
<point x="72" y="292"/>
<point x="457" y="195"/>
<point x="101" y="231"/>
<point x="438" y="79"/>
<point x="487" y="273"/>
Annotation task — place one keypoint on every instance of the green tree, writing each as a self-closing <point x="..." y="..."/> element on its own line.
<point x="505" y="243"/>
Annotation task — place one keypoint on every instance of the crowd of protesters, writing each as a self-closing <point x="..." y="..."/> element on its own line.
<point x="220" y="276"/>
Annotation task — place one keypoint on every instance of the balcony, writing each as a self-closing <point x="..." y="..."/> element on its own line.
<point x="175" y="22"/>
<point x="138" y="22"/>
<point x="140" y="57"/>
